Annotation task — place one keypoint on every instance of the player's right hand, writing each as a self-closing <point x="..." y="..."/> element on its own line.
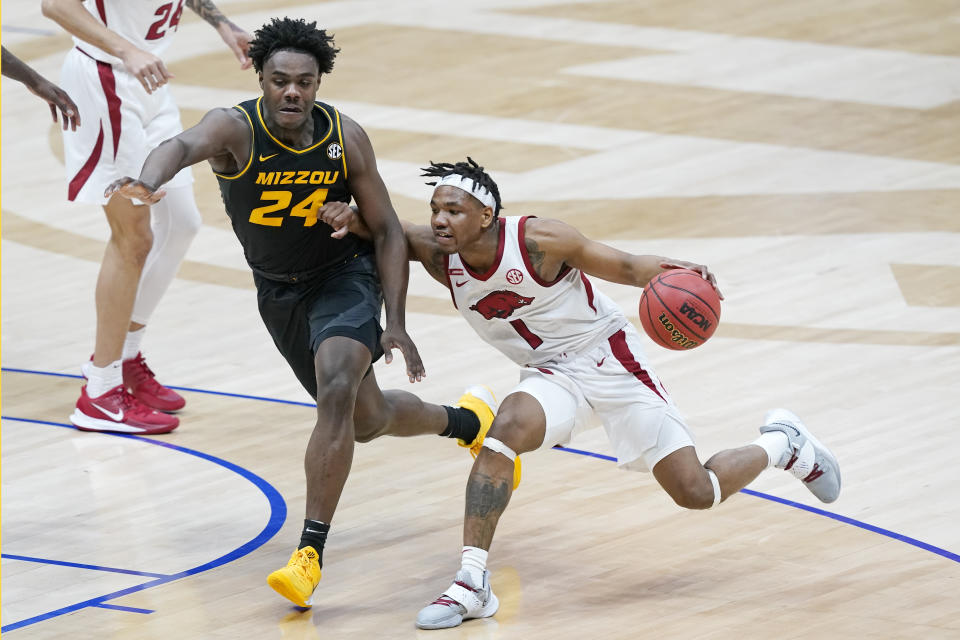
<point x="135" y="190"/>
<point x="57" y="98"/>
<point x="147" y="68"/>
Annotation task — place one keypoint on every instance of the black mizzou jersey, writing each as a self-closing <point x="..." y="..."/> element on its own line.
<point x="273" y="200"/>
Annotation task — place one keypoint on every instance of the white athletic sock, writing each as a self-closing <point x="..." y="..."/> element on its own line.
<point x="131" y="345"/>
<point x="777" y="446"/>
<point x="473" y="560"/>
<point x="102" y="379"/>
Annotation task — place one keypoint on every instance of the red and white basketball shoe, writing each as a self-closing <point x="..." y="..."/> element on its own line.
<point x="117" y="411"/>
<point x="141" y="381"/>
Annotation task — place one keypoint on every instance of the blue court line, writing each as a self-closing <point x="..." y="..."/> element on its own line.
<point x="77" y="565"/>
<point x="820" y="512"/>
<point x="278" y="515"/>
<point x="117" y="607"/>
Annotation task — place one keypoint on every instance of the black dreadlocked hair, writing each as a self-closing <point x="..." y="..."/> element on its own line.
<point x="468" y="169"/>
<point x="288" y="34"/>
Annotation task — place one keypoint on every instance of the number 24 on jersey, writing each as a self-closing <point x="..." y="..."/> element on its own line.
<point x="306" y="208"/>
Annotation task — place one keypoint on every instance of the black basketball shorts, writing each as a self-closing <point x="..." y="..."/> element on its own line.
<point x="344" y="301"/>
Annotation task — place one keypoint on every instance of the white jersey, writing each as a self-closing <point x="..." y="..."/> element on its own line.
<point x="148" y="25"/>
<point x="531" y="321"/>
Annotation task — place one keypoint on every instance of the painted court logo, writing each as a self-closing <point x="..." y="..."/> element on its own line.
<point x="334" y="151"/>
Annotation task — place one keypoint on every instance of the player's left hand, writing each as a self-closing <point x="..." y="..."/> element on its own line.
<point x="397" y="338"/>
<point x="135" y="190"/>
<point x="238" y="40"/>
<point x="704" y="272"/>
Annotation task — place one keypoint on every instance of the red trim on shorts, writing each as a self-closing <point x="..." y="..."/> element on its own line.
<point x="76" y="184"/>
<point x="102" y="10"/>
<point x="621" y="350"/>
<point x="496" y="263"/>
<point x="522" y="238"/>
<point x="589" y="289"/>
<point x="109" y="84"/>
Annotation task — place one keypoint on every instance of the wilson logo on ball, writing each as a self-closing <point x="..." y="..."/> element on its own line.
<point x="682" y="341"/>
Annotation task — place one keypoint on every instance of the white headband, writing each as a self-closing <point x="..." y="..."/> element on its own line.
<point x="471" y="187"/>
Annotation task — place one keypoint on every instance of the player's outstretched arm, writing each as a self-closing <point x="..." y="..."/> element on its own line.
<point x="552" y="243"/>
<point x="422" y="247"/>
<point x="220" y="137"/>
<point x="57" y="98"/>
<point x="236" y="38"/>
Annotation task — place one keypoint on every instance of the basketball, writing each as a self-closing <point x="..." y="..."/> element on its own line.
<point x="679" y="309"/>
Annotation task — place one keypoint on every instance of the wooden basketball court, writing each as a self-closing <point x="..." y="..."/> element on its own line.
<point x="808" y="152"/>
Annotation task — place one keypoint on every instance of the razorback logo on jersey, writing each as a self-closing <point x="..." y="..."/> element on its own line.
<point x="500" y="304"/>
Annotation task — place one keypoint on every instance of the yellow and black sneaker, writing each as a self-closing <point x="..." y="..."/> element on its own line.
<point x="481" y="401"/>
<point x="297" y="581"/>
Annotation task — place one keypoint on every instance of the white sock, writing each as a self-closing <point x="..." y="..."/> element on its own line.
<point x="102" y="379"/>
<point x="777" y="445"/>
<point x="131" y="345"/>
<point x="473" y="560"/>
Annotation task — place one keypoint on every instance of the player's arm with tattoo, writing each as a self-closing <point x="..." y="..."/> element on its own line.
<point x="552" y="243"/>
<point x="236" y="38"/>
<point x="421" y="245"/>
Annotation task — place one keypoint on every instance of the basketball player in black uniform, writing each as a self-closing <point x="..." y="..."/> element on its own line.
<point x="282" y="160"/>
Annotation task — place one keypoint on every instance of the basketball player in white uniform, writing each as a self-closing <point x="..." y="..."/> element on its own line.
<point x="523" y="285"/>
<point x="119" y="81"/>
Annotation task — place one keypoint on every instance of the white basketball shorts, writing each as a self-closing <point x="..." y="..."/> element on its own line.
<point x="612" y="382"/>
<point x="121" y="125"/>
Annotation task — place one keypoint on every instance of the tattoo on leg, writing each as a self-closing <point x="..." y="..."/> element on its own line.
<point x="487" y="496"/>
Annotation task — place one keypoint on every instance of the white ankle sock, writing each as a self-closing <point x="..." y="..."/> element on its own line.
<point x="131" y="345"/>
<point x="473" y="560"/>
<point x="776" y="444"/>
<point x="102" y="379"/>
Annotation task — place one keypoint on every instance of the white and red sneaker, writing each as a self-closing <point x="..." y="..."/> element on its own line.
<point x="117" y="411"/>
<point x="464" y="600"/>
<point x="141" y="381"/>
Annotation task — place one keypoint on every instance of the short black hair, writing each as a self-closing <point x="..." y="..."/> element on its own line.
<point x="468" y="169"/>
<point x="288" y="34"/>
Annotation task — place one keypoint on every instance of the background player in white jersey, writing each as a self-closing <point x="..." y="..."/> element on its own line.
<point x="522" y="284"/>
<point x="118" y="79"/>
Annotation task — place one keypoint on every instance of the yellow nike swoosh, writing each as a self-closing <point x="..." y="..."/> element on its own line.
<point x="264" y="158"/>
